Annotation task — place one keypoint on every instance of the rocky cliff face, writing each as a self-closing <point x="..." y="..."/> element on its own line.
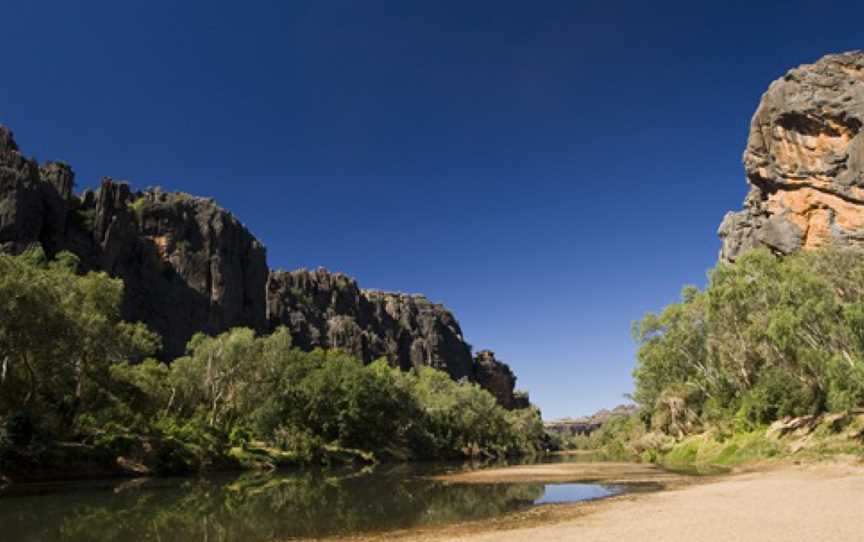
<point x="32" y="206"/>
<point x="496" y="377"/>
<point x="329" y="310"/>
<point x="189" y="266"/>
<point x="804" y="162"/>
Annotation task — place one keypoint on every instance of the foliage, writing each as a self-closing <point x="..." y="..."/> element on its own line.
<point x="309" y="403"/>
<point x="707" y="450"/>
<point x="71" y="370"/>
<point x="769" y="337"/>
<point x="59" y="335"/>
<point x="620" y="438"/>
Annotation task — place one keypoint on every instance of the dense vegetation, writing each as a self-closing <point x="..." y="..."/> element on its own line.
<point x="767" y="338"/>
<point x="76" y="382"/>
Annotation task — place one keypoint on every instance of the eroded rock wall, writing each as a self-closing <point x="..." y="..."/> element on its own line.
<point x="187" y="264"/>
<point x="329" y="310"/>
<point x="25" y="200"/>
<point x="496" y="376"/>
<point x="804" y="162"/>
<point x="190" y="266"/>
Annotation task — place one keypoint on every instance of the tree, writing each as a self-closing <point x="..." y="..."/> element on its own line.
<point x="769" y="337"/>
<point x="59" y="335"/>
<point x="215" y="376"/>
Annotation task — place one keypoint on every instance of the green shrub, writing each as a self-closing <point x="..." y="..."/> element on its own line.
<point x="776" y="395"/>
<point x="77" y="372"/>
<point x="769" y="337"/>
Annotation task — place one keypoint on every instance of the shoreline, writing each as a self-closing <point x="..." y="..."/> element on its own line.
<point x="782" y="500"/>
<point x="600" y="472"/>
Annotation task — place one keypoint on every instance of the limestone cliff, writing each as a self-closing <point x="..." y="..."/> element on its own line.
<point x="804" y="162"/>
<point x="189" y="266"/>
<point x="329" y="310"/>
<point x="32" y="202"/>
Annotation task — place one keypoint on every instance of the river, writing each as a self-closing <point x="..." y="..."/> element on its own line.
<point x="254" y="507"/>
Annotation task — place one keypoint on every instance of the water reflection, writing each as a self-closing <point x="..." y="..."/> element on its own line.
<point x="263" y="507"/>
<point x="561" y="493"/>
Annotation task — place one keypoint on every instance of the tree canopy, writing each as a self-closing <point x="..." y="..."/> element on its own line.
<point x="71" y="370"/>
<point x="768" y="337"/>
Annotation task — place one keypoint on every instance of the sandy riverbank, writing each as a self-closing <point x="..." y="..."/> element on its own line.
<point x="601" y="472"/>
<point x="787" y="502"/>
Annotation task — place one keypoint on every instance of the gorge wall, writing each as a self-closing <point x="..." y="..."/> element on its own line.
<point x="329" y="310"/>
<point x="804" y="162"/>
<point x="188" y="266"/>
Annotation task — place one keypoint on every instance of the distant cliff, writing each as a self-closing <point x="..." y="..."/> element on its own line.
<point x="586" y="425"/>
<point x="804" y="162"/>
<point x="190" y="266"/>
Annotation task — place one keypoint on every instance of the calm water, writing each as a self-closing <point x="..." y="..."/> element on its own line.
<point x="253" y="508"/>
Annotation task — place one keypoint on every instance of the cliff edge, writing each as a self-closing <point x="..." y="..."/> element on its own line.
<point x="804" y="162"/>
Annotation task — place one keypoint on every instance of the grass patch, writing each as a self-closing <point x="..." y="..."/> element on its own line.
<point x="706" y="449"/>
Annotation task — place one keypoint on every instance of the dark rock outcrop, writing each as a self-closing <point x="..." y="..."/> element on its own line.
<point x="27" y="213"/>
<point x="187" y="264"/>
<point x="329" y="310"/>
<point x="190" y="266"/>
<point x="496" y="377"/>
<point x="804" y="162"/>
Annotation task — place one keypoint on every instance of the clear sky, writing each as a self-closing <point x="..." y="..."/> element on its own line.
<point x="549" y="170"/>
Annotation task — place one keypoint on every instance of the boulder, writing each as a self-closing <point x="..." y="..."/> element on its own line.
<point x="800" y="426"/>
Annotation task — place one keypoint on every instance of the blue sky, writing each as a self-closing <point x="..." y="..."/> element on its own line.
<point x="549" y="170"/>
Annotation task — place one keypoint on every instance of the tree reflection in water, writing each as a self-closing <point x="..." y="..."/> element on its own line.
<point x="253" y="507"/>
